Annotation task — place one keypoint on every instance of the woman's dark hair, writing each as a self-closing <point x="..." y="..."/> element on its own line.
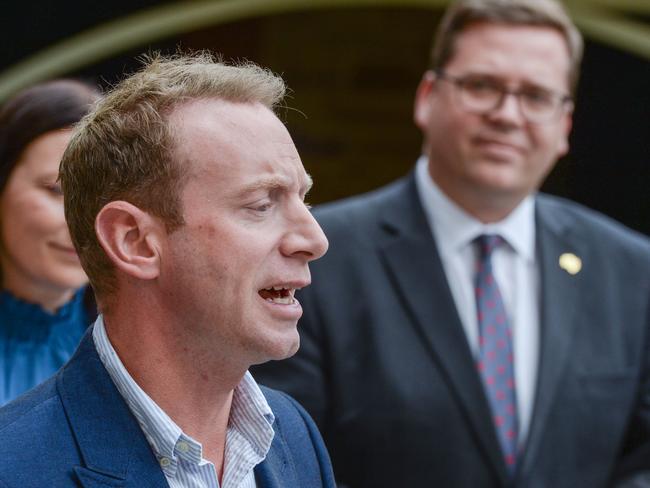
<point x="42" y="108"/>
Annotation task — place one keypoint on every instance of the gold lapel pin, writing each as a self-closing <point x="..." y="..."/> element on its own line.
<point x="570" y="263"/>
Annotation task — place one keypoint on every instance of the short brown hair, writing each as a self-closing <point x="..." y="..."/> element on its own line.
<point x="123" y="149"/>
<point x="542" y="13"/>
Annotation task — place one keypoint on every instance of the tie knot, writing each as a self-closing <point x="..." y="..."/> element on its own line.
<point x="488" y="243"/>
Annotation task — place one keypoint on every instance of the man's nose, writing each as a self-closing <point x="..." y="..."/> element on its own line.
<point x="307" y="238"/>
<point x="508" y="110"/>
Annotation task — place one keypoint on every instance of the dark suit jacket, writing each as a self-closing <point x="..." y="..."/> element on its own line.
<point x="76" y="430"/>
<point x="386" y="371"/>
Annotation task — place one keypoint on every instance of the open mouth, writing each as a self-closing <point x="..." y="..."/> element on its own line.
<point x="279" y="295"/>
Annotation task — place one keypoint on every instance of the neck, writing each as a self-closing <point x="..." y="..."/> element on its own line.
<point x="49" y="298"/>
<point x="486" y="214"/>
<point x="486" y="205"/>
<point x="194" y="387"/>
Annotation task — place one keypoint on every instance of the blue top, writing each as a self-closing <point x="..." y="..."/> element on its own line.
<point x="35" y="343"/>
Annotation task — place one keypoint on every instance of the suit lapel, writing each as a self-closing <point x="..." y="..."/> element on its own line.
<point x="276" y="471"/>
<point x="112" y="446"/>
<point x="270" y="473"/>
<point x="89" y="478"/>
<point x="412" y="262"/>
<point x="559" y="302"/>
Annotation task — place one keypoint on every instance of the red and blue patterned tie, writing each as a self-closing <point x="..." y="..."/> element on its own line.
<point x="495" y="362"/>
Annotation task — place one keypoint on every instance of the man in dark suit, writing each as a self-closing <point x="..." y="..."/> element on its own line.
<point x="185" y="198"/>
<point x="465" y="331"/>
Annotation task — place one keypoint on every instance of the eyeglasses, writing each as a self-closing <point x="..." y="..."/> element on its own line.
<point x="482" y="94"/>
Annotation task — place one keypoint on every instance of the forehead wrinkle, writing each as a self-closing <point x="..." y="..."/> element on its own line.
<point x="266" y="183"/>
<point x="275" y="183"/>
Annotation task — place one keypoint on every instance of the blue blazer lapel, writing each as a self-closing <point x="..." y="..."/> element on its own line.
<point x="559" y="301"/>
<point x="112" y="446"/>
<point x="276" y="471"/>
<point x="411" y="258"/>
<point x="89" y="478"/>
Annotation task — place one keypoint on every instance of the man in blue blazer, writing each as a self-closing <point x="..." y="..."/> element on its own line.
<point x="463" y="330"/>
<point x="185" y="198"/>
<point x="76" y="430"/>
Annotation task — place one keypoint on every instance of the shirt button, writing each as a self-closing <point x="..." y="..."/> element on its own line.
<point x="183" y="446"/>
<point x="164" y="462"/>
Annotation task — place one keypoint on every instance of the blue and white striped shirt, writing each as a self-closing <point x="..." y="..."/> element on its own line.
<point x="248" y="437"/>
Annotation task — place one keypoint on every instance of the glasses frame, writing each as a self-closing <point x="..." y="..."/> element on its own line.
<point x="562" y="101"/>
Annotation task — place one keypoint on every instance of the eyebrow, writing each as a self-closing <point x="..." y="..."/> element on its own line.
<point x="309" y="183"/>
<point x="525" y="84"/>
<point x="275" y="183"/>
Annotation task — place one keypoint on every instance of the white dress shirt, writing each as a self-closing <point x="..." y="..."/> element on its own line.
<point x="515" y="269"/>
<point x="248" y="437"/>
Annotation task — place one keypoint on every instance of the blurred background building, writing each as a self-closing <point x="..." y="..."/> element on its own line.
<point x="353" y="66"/>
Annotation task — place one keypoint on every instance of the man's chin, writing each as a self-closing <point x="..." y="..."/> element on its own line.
<point x="499" y="179"/>
<point x="287" y="350"/>
<point x="280" y="349"/>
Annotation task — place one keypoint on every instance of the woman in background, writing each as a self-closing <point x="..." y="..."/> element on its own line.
<point x="44" y="304"/>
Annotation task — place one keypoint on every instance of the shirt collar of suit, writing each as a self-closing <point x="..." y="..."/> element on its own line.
<point x="459" y="228"/>
<point x="250" y="430"/>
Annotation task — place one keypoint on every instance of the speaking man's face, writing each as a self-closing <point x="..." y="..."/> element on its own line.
<point x="233" y="268"/>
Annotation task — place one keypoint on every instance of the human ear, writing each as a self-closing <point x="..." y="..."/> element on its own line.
<point x="422" y="106"/>
<point x="131" y="239"/>
<point x="563" y="143"/>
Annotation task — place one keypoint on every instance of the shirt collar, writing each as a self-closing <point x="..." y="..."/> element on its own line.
<point x="250" y="413"/>
<point x="459" y="228"/>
